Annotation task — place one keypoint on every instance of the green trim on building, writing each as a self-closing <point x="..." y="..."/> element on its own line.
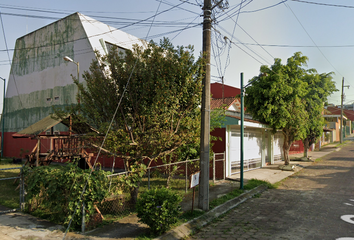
<point x="230" y="121"/>
<point x="27" y="109"/>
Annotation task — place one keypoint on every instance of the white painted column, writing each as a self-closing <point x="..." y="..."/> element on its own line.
<point x="270" y="147"/>
<point x="264" y="145"/>
<point x="227" y="152"/>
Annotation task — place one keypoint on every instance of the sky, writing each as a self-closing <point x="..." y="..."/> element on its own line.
<point x="246" y="34"/>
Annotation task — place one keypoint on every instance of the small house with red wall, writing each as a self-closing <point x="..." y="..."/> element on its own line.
<point x="261" y="146"/>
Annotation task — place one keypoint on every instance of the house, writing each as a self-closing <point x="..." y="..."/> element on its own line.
<point x="41" y="79"/>
<point x="261" y="146"/>
<point x="348" y="121"/>
<point x="332" y="117"/>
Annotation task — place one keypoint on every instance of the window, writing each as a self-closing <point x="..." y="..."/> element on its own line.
<point x="49" y="99"/>
<point x="111" y="46"/>
<point x="56" y="98"/>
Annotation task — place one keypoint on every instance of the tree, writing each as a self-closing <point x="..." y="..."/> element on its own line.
<point x="276" y="97"/>
<point x="320" y="86"/>
<point x="158" y="90"/>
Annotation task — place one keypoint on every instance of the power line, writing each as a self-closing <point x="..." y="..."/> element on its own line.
<point x="265" y="8"/>
<point x="232" y="37"/>
<point x="245" y="46"/>
<point x="311" y="38"/>
<point x="14" y="79"/>
<point x="89" y="50"/>
<point x="122" y="20"/>
<point x="231" y="10"/>
<point x="170" y="4"/>
<point x="323" y="4"/>
<point x="24" y="8"/>
<point x="100" y="34"/>
<point x="243" y="43"/>
<point x="109" y="128"/>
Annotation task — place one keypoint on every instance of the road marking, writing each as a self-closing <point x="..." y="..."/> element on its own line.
<point x="345" y="238"/>
<point x="349" y="204"/>
<point x="348" y="218"/>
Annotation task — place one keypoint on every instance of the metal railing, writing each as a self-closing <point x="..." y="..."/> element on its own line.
<point x="156" y="176"/>
<point x="217" y="157"/>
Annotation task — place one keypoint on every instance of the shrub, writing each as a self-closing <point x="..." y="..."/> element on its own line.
<point x="159" y="209"/>
<point x="57" y="192"/>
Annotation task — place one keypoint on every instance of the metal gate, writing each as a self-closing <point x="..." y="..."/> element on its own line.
<point x="7" y="183"/>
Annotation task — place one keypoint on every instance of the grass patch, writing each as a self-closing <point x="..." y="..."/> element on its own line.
<point x="9" y="196"/>
<point x="189" y="215"/>
<point x="253" y="183"/>
<point x="342" y="144"/>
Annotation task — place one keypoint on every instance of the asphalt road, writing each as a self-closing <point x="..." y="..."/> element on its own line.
<point x="315" y="203"/>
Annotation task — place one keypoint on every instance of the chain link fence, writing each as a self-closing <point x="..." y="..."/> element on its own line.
<point x="172" y="175"/>
<point x="11" y="189"/>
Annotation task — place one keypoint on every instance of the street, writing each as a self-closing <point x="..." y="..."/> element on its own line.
<point x="315" y="203"/>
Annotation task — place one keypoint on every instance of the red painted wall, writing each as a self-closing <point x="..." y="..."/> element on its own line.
<point x="216" y="90"/>
<point x="13" y="148"/>
<point x="219" y="146"/>
<point x="297" y="147"/>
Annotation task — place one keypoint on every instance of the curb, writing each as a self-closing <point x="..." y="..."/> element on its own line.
<point x="188" y="228"/>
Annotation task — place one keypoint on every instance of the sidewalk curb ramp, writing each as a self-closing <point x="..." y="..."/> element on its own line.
<point x="188" y="228"/>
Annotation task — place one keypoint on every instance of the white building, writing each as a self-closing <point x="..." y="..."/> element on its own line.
<point x="40" y="78"/>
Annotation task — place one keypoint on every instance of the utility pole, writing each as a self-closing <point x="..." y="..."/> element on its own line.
<point x="341" y="111"/>
<point x="203" y="199"/>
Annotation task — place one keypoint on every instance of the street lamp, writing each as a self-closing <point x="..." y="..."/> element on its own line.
<point x="66" y="58"/>
<point x="3" y="120"/>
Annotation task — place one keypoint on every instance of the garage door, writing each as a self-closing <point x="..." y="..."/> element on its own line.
<point x="252" y="153"/>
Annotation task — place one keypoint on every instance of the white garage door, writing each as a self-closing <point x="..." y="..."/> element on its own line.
<point x="252" y="153"/>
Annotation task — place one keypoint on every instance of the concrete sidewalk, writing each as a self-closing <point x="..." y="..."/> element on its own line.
<point x="270" y="173"/>
<point x="23" y="226"/>
<point x="273" y="174"/>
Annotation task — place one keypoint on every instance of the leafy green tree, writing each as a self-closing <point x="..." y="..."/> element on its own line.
<point x="276" y="97"/>
<point x="158" y="108"/>
<point x="320" y="86"/>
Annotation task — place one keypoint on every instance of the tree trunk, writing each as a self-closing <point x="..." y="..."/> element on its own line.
<point x="134" y="194"/>
<point x="306" y="146"/>
<point x="286" y="147"/>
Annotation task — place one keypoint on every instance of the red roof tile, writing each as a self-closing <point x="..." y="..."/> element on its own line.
<point x="219" y="102"/>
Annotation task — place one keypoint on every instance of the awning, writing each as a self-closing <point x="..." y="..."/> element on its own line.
<point x="37" y="128"/>
<point x="49" y="122"/>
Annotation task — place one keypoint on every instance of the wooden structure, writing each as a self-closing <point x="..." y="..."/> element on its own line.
<point x="63" y="146"/>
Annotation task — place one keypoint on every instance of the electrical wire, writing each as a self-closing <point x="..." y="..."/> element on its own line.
<point x="123" y="21"/>
<point x="244" y="46"/>
<point x="100" y="34"/>
<point x="265" y="8"/>
<point x="323" y="4"/>
<point x="109" y="128"/>
<point x="227" y="62"/>
<point x="311" y="38"/>
<point x="8" y="55"/>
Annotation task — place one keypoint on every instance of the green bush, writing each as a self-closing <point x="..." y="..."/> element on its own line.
<point x="57" y="192"/>
<point x="159" y="209"/>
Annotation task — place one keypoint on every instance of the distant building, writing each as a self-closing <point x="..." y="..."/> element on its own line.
<point x="40" y="78"/>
